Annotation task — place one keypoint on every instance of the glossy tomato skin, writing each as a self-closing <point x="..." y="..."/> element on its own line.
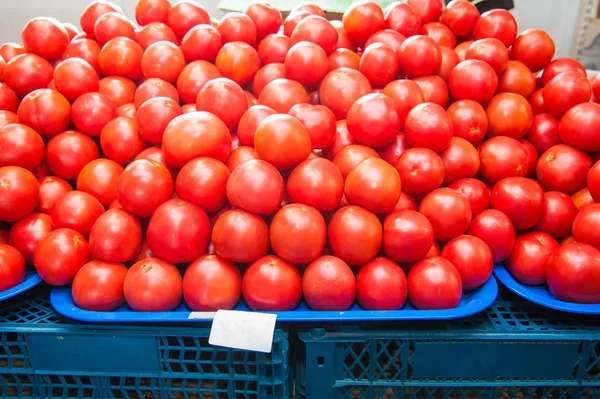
<point x="238" y="61"/>
<point x="473" y="80"/>
<point x="449" y="61"/>
<point x="74" y="77"/>
<point x="421" y="170"/>
<point x="509" y="114"/>
<point x="20" y="193"/>
<point x="120" y="90"/>
<point x="203" y="181"/>
<point x="153" y="285"/>
<point x="406" y="94"/>
<point x="434" y="283"/>
<point x="223" y="98"/>
<point x="460" y="16"/>
<point x="372" y="120"/>
<point x="593" y="181"/>
<point x="407" y="236"/>
<point x="448" y="211"/>
<point x="469" y="120"/>
<point x="26" y="234"/>
<point x="521" y="199"/>
<point x="147" y="11"/>
<point x="402" y="18"/>
<point x="154" y="32"/>
<point x="163" y="60"/>
<point x="120" y="140"/>
<point x="266" y="17"/>
<point x="490" y="50"/>
<point x="153" y="117"/>
<point x="496" y="230"/>
<point x="13" y="269"/>
<point x="318" y="183"/>
<point x="239" y="156"/>
<point x="179" y="231"/>
<point x="328" y="283"/>
<point x="387" y="275"/>
<point x="116" y="236"/>
<point x="460" y="160"/>
<point x="256" y="186"/>
<point x="111" y="25"/>
<point x="379" y="64"/>
<point x="499" y="24"/>
<point x="298" y="233"/>
<point x="434" y="89"/>
<point x="563" y="168"/>
<point x="272" y="284"/>
<point x="317" y="30"/>
<point x="355" y="235"/>
<point x="572" y="273"/>
<point x="240" y="236"/>
<point x="202" y="42"/>
<point x="306" y="63"/>
<point x="319" y="122"/>
<point x="92" y="12"/>
<point x="143" y="186"/>
<point x="76" y="210"/>
<point x="440" y="33"/>
<point x="387" y="36"/>
<point x="392" y="152"/>
<point x="544" y="132"/>
<point x="8" y="99"/>
<point x="185" y="15"/>
<point x="373" y="184"/>
<point x="211" y="283"/>
<point x="419" y="55"/>
<point x="342" y="139"/>
<point x="564" y="91"/>
<point x="427" y="125"/>
<point x="20" y="146"/>
<point x="534" y="48"/>
<point x="98" y="286"/>
<point x="585" y="225"/>
<point x="472" y="258"/>
<point x="121" y="56"/>
<point x="193" y="77"/>
<point x="475" y="191"/>
<point x="516" y="78"/>
<point x="60" y="255"/>
<point x="578" y="127"/>
<point x="51" y="189"/>
<point x="341" y="88"/>
<point x="26" y="73"/>
<point x="282" y="141"/>
<point x="361" y="20"/>
<point x="154" y="87"/>
<point x="293" y="19"/>
<point x="250" y="121"/>
<point x="91" y="112"/>
<point x="86" y="49"/>
<point x="502" y="157"/>
<point x="45" y="110"/>
<point x="237" y="27"/>
<point x="529" y="258"/>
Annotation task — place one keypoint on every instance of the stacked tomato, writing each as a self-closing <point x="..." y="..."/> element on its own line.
<point x="390" y="155"/>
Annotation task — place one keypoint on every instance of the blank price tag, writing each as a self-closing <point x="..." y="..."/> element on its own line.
<point x="243" y="330"/>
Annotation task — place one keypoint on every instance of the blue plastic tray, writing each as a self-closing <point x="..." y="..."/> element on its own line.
<point x="541" y="294"/>
<point x="31" y="280"/>
<point x="471" y="303"/>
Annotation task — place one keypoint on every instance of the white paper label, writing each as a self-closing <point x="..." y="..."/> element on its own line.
<point x="202" y="315"/>
<point x="243" y="330"/>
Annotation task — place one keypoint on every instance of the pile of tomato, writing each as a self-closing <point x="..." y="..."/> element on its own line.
<point x="393" y="156"/>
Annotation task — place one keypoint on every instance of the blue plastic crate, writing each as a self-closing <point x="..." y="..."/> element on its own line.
<point x="512" y="350"/>
<point x="45" y="356"/>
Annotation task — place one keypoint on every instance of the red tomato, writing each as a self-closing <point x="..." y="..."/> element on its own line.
<point x="305" y="63"/>
<point x="563" y="168"/>
<point x="343" y="41"/>
<point x="460" y="160"/>
<point x="121" y="56"/>
<point x="381" y="285"/>
<point x="298" y="233"/>
<point x="521" y="199"/>
<point x="92" y="12"/>
<point x="211" y="283"/>
<point x="184" y="15"/>
<point x="74" y="77"/>
<point x="317" y="30"/>
<point x="389" y="37"/>
<point x="12" y="270"/>
<point x="496" y="230"/>
<point x="586" y="225"/>
<point x="51" y="189"/>
<point x="392" y="152"/>
<point x="91" y="112"/>
<point x="440" y="33"/>
<point x="156" y="154"/>
<point x="187" y="108"/>
<point x="120" y="140"/>
<point x="273" y="48"/>
<point x="163" y="60"/>
<point x="349" y="157"/>
<point x="193" y="135"/>
<point x="76" y="210"/>
<point x="593" y="181"/>
<point x="266" y="17"/>
<point x="47" y="111"/>
<point x="282" y="141"/>
<point x="223" y="98"/>
<point x="516" y="78"/>
<point x="564" y="91"/>
<point x="469" y="120"/>
<point x="475" y="191"/>
<point x="578" y="127"/>
<point x="26" y="73"/>
<point x="147" y="11"/>
<point x="532" y="157"/>
<point x="341" y="88"/>
<point x="460" y="16"/>
<point x="193" y="77"/>
<point x="428" y="10"/>
<point x="318" y="183"/>
<point x="143" y="186"/>
<point x="20" y="146"/>
<point x="473" y="80"/>
<point x="534" y="48"/>
<point x="116" y="236"/>
<point x="502" y="157"/>
<point x="427" y="125"/>
<point x="203" y="181"/>
<point x="8" y="51"/>
<point x="448" y="211"/>
<point x="531" y="253"/>
<point x="355" y="235"/>
<point x="120" y="90"/>
<point x="45" y="37"/>
<point x="266" y="75"/>
<point x="373" y="184"/>
<point x="292" y="20"/>
<point x="86" y="49"/>
<point x="499" y="24"/>
<point x="509" y="115"/>
<point x="421" y="170"/>
<point x="154" y="32"/>
<point x="329" y="284"/>
<point x="402" y="18"/>
<point x="26" y="234"/>
<point x="319" y="122"/>
<point x="255" y="186"/>
<point x="434" y="283"/>
<point x="250" y="121"/>
<point x="239" y="156"/>
<point x="343" y="138"/>
<point x="60" y="255"/>
<point x="152" y="285"/>
<point x="406" y="94"/>
<point x="407" y="236"/>
<point x="237" y="27"/>
<point x="490" y="50"/>
<point x="472" y="258"/>
<point x="20" y="193"/>
<point x="153" y="117"/>
<point x="572" y="273"/>
<point x="8" y="99"/>
<point x="272" y="284"/>
<point x="202" y="42"/>
<point x="372" y="120"/>
<point x="544" y="132"/>
<point x="361" y="20"/>
<point x="8" y="117"/>
<point x="98" y="286"/>
<point x="238" y="61"/>
<point x="179" y="231"/>
<point x="379" y="64"/>
<point x="419" y="56"/>
<point x="558" y="216"/>
<point x="582" y="198"/>
<point x="99" y="178"/>
<point x="449" y="61"/>
<point x="68" y="152"/>
<point x="434" y="89"/>
<point x="240" y="236"/>
<point x="537" y="102"/>
<point x="111" y="25"/>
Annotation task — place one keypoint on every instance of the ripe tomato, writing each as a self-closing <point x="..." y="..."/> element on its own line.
<point x="120" y="90"/>
<point x="475" y="191"/>
<point x="193" y="135"/>
<point x="460" y="160"/>
<point x="434" y="283"/>
<point x="472" y="258"/>
<point x="92" y="12"/>
<point x="237" y="27"/>
<point x="203" y="181"/>
<point x="74" y="77"/>
<point x="317" y="30"/>
<point x="305" y="63"/>
<point x="8" y="99"/>
<point x="419" y="56"/>
<point x="266" y="75"/>
<point x="193" y="77"/>
<point x="373" y="184"/>
<point x="406" y="95"/>
<point x="558" y="216"/>
<point x="402" y="18"/>
<point x="116" y="236"/>
<point x="60" y="255"/>
<point x="147" y="11"/>
<point x="434" y="89"/>
<point x="537" y="102"/>
<point x="448" y="211"/>
<point x="572" y="273"/>
<point x="163" y="60"/>
<point x="586" y="225"/>
<point x="563" y="168"/>
<point x="544" y="132"/>
<point x="8" y="51"/>
<point x="154" y="87"/>
<point x="428" y="10"/>
<point x="502" y="157"/>
<point x="449" y="61"/>
<point x="47" y="111"/>
<point x="499" y="24"/>
<point x="272" y="284"/>
<point x="51" y="189"/>
<point x="239" y="156"/>
<point x="496" y="230"/>
<point x="343" y="138"/>
<point x="78" y="211"/>
<point x="68" y="152"/>
<point x="341" y="88"/>
<point x="372" y="120"/>
<point x="152" y="285"/>
<point x="387" y="36"/>
<point x="473" y="80"/>
<point x="211" y="283"/>
<point x="509" y="114"/>
<point x="578" y="127"/>
<point x="516" y="78"/>
<point x="534" y="48"/>
<point x="12" y="270"/>
<point x="391" y="152"/>
<point x="407" y="236"/>
<point x="121" y="56"/>
<point x="564" y="91"/>
<point x="273" y="48"/>
<point x="154" y="32"/>
<point x="240" y="236"/>
<point x="202" y="42"/>
<point x="361" y="20"/>
<point x="111" y="25"/>
<point x="428" y="126"/>
<point x="329" y="284"/>
<point x="99" y="178"/>
<point x="355" y="235"/>
<point x="20" y="193"/>
<point x="460" y="16"/>
<point x="7" y="117"/>
<point x="469" y="120"/>
<point x="91" y="112"/>
<point x="179" y="231"/>
<point x="298" y="233"/>
<point x="143" y="186"/>
<point x="266" y="17"/>
<point x="20" y="146"/>
<point x="184" y="15"/>
<point x="379" y="64"/>
<point x="153" y="117"/>
<point x="98" y="286"/>
<point x="26" y="234"/>
<point x="440" y="33"/>
<point x="349" y="157"/>
<point x="490" y="50"/>
<point x="319" y="122"/>
<point x="381" y="285"/>
<point x="26" y="73"/>
<point x="593" y="181"/>
<point x="45" y="37"/>
<point x="156" y="154"/>
<point x="223" y="98"/>
<point x="521" y="199"/>
<point x="120" y="140"/>
<point x="529" y="258"/>
<point x="86" y="49"/>
<point x="292" y="20"/>
<point x="250" y="121"/>
<point x="318" y="183"/>
<point x="238" y="61"/>
<point x="255" y="186"/>
<point x="421" y="170"/>
<point x="282" y="141"/>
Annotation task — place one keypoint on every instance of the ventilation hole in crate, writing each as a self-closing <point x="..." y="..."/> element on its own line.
<point x="593" y="365"/>
<point x="320" y="361"/>
<point x="357" y="361"/>
<point x="388" y="365"/>
<point x="247" y="388"/>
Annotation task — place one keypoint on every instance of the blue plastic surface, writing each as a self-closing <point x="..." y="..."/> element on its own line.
<point x="471" y="303"/>
<point x="541" y="294"/>
<point x="31" y="280"/>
